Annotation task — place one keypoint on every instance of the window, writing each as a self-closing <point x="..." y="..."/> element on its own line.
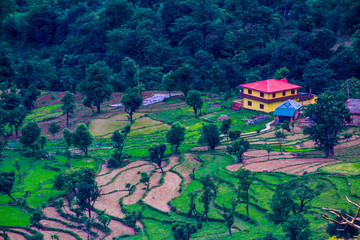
<point x="261" y="106"/>
<point x="274" y="95"/>
<point x="284" y="93"/>
<point x="249" y="91"/>
<point x="249" y="103"/>
<point x="292" y="91"/>
<point x="261" y="94"/>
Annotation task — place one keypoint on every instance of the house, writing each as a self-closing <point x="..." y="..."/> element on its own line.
<point x="288" y="111"/>
<point x="268" y="94"/>
<point x="354" y="107"/>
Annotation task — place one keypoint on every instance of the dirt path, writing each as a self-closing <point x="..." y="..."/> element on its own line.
<point x="185" y="168"/>
<point x="158" y="197"/>
<point x="104" y="179"/>
<point x="118" y="229"/>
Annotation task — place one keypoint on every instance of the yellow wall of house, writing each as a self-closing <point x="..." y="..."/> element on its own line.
<point x="255" y="105"/>
<point x="269" y="95"/>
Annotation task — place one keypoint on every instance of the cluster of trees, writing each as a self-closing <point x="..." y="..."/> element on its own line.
<point x="208" y="45"/>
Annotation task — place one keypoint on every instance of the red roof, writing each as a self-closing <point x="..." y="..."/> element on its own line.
<point x="271" y="85"/>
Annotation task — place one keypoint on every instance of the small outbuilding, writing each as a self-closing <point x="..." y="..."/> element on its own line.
<point x="288" y="111"/>
<point x="354" y="107"/>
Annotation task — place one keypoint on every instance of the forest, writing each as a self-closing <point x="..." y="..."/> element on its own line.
<point x="209" y="45"/>
<point x="116" y="120"/>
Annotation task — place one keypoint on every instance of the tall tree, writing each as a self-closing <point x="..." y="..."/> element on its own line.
<point x="330" y="117"/>
<point x="87" y="194"/>
<point x="96" y="87"/>
<point x="184" y="78"/>
<point x="210" y="135"/>
<point x="68" y="106"/>
<point x="132" y="102"/>
<point x="238" y="148"/>
<point x="7" y="180"/>
<point x="183" y="231"/>
<point x="168" y="82"/>
<point x="193" y="99"/>
<point x="208" y="193"/>
<point x="176" y="135"/>
<point x="30" y="134"/>
<point x="297" y="228"/>
<point x="156" y="154"/>
<point x="229" y="215"/>
<point x="246" y="178"/>
<point x="225" y="127"/>
<point x="281" y="137"/>
<point x="82" y="138"/>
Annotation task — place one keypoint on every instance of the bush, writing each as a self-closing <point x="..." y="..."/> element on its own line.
<point x="54" y="128"/>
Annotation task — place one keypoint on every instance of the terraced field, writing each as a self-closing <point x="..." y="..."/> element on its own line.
<point x="167" y="199"/>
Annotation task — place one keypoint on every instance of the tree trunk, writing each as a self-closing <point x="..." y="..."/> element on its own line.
<point x="170" y="94"/>
<point x="195" y="111"/>
<point x="230" y="231"/>
<point x="98" y="109"/>
<point x="131" y="119"/>
<point x="11" y="197"/>
<point x="330" y="152"/>
<point x="86" y="152"/>
<point x="162" y="171"/>
<point x="67" y="120"/>
<point x="247" y="211"/>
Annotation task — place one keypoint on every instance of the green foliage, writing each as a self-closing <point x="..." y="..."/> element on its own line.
<point x="82" y="138"/>
<point x="7" y="180"/>
<point x="168" y="82"/>
<point x="238" y="148"/>
<point x="193" y="99"/>
<point x="87" y="194"/>
<point x="96" y="86"/>
<point x="132" y="102"/>
<point x="30" y="134"/>
<point x="176" y="135"/>
<point x="234" y="134"/>
<point x="225" y="126"/>
<point x="183" y="231"/>
<point x="156" y="154"/>
<point x="330" y="117"/>
<point x="132" y="217"/>
<point x="145" y="179"/>
<point x="68" y="106"/>
<point x="281" y="137"/>
<point x="297" y="228"/>
<point x="210" y="135"/>
<point x="54" y="128"/>
<point x="246" y="178"/>
<point x="286" y="126"/>
<point x="294" y="196"/>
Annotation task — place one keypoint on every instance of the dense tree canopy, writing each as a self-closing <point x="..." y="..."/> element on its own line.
<point x="330" y="116"/>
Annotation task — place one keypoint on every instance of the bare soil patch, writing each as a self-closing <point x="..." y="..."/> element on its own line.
<point x="206" y="148"/>
<point x="155" y="178"/>
<point x="136" y="195"/>
<point x="310" y="168"/>
<point x="348" y="144"/>
<point x="132" y="176"/>
<point x="185" y="168"/>
<point x="306" y="144"/>
<point x="158" y="197"/>
<point x="110" y="204"/>
<point x="14" y="236"/>
<point x="104" y="179"/>
<point x="273" y="165"/>
<point x="52" y="212"/>
<point x="173" y="160"/>
<point x="118" y="229"/>
<point x="48" y="223"/>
